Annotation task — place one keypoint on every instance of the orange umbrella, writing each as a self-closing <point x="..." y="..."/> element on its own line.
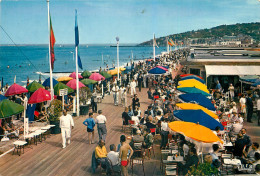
<point x="64" y="78"/>
<point x="194" y="131"/>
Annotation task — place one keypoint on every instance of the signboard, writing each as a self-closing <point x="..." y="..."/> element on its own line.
<point x="63" y="92"/>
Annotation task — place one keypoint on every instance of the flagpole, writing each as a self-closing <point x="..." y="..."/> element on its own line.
<point x="77" y="79"/>
<point x="154" y="46"/>
<point x="51" y="81"/>
<point x="167" y="44"/>
<point x="117" y="45"/>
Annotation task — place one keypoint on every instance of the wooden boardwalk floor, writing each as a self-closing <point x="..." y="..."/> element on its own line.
<point x="48" y="158"/>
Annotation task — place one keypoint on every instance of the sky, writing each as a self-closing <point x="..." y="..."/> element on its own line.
<point x="133" y="21"/>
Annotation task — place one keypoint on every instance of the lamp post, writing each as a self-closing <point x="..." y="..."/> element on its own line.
<point x="117" y="46"/>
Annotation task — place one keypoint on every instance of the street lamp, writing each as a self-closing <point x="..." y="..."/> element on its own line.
<point x="117" y="45"/>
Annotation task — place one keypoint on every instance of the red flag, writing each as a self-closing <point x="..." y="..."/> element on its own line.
<point x="52" y="42"/>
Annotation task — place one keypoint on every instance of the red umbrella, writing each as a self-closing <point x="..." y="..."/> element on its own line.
<point x="184" y="75"/>
<point x="162" y="68"/>
<point x="73" y="75"/>
<point x="15" y="89"/>
<point x="72" y="84"/>
<point x="97" y="77"/>
<point x="39" y="96"/>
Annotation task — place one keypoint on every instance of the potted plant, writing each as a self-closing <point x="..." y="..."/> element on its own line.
<point x="84" y="96"/>
<point x="55" y="111"/>
<point x="204" y="169"/>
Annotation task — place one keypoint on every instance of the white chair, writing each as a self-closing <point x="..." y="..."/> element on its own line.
<point x="19" y="145"/>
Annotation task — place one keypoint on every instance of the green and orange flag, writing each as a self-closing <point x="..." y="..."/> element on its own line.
<point x="52" y="42"/>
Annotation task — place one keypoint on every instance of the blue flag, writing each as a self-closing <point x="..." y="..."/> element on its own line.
<point x="77" y="39"/>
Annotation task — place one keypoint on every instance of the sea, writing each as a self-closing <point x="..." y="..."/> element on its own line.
<point x="17" y="63"/>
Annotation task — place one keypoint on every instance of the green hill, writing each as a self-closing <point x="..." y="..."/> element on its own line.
<point x="251" y="29"/>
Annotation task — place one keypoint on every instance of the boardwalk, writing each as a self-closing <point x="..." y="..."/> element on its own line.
<point x="48" y="158"/>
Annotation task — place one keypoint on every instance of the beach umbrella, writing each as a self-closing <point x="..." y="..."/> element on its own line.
<point x="184" y="75"/>
<point x="256" y="84"/>
<point x="39" y="96"/>
<point x="73" y="75"/>
<point x="198" y="99"/>
<point x="105" y="74"/>
<point x="193" y="90"/>
<point x="157" y="70"/>
<point x="47" y="82"/>
<point x="64" y="78"/>
<point x="193" y="83"/>
<point x="192" y="77"/>
<point x="86" y="74"/>
<point x="198" y="116"/>
<point x="9" y="108"/>
<point x="97" y="77"/>
<point x="128" y="68"/>
<point x="193" y="106"/>
<point x="194" y="131"/>
<point x="34" y="86"/>
<point x="15" y="89"/>
<point x="113" y="72"/>
<point x="72" y="84"/>
<point x="59" y="86"/>
<point x="2" y="97"/>
<point x="161" y="67"/>
<point x="88" y="81"/>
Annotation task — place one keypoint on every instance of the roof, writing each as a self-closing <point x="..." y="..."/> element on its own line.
<point x="232" y="70"/>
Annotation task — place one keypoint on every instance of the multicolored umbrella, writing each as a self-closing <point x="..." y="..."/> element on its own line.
<point x="88" y="81"/>
<point x="97" y="77"/>
<point x="193" y="77"/>
<point x="86" y="74"/>
<point x="198" y="116"/>
<point x="193" y="83"/>
<point x="193" y="90"/>
<point x="161" y="67"/>
<point x="73" y="75"/>
<point x="59" y="86"/>
<point x="15" y="89"/>
<point x="184" y="75"/>
<point x="64" y="78"/>
<point x="9" y="108"/>
<point x="39" y="96"/>
<point x="34" y="86"/>
<point x="194" y="131"/>
<point x="72" y="84"/>
<point x="157" y="71"/>
<point x="105" y="74"/>
<point x="198" y="99"/>
<point x="47" y="82"/>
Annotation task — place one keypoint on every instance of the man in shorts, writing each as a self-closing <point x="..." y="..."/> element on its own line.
<point x="123" y="154"/>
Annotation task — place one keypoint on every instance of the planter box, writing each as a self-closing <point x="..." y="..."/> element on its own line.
<point x="56" y="129"/>
<point x="84" y="109"/>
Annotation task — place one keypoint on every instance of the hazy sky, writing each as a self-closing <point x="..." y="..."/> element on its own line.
<point x="134" y="21"/>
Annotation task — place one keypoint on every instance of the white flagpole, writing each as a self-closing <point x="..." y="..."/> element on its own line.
<point x="154" y="46"/>
<point x="77" y="80"/>
<point x="167" y="45"/>
<point x="51" y="81"/>
<point x="117" y="44"/>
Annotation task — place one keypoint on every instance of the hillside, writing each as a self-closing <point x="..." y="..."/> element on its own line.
<point x="251" y="29"/>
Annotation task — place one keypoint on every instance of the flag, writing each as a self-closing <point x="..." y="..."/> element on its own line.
<point x="52" y="42"/>
<point x="170" y="42"/>
<point x="154" y="42"/>
<point x="77" y="39"/>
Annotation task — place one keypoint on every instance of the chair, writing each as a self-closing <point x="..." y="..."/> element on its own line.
<point x="114" y="169"/>
<point x="171" y="169"/>
<point x="19" y="145"/>
<point x="137" y="160"/>
<point x="226" y="166"/>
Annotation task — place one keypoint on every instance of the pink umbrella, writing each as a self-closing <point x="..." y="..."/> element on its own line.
<point x="163" y="68"/>
<point x="72" y="84"/>
<point x="15" y="89"/>
<point x="97" y="77"/>
<point x="39" y="96"/>
<point x="73" y="75"/>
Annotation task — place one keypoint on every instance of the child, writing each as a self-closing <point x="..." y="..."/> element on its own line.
<point x="90" y="123"/>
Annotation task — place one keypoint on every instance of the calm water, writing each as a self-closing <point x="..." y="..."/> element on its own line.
<point x="30" y="61"/>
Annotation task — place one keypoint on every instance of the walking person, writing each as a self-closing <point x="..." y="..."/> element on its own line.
<point x="132" y="87"/>
<point x="66" y="123"/>
<point x="94" y="101"/>
<point x="90" y="123"/>
<point x="115" y="91"/>
<point x="231" y="91"/>
<point x="249" y="104"/>
<point x="101" y="126"/>
<point x="140" y="81"/>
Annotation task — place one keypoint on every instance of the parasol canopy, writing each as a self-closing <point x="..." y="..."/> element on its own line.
<point x="88" y="81"/>
<point x="64" y="78"/>
<point x="97" y="77"/>
<point x="161" y="67"/>
<point x="198" y="116"/>
<point x="9" y="108"/>
<point x="193" y="90"/>
<point x="194" y="131"/>
<point x="192" y="106"/>
<point x="193" y="77"/>
<point x="15" y="89"/>
<point x="86" y="74"/>
<point x="59" y="86"/>
<point x="47" y="82"/>
<point x="113" y="72"/>
<point x="72" y="84"/>
<point x="73" y="75"/>
<point x="198" y="99"/>
<point x="185" y="75"/>
<point x="34" y="86"/>
<point x="157" y="70"/>
<point x="193" y="83"/>
<point x="39" y="96"/>
<point x="105" y="74"/>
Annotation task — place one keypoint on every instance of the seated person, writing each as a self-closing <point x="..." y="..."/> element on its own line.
<point x="113" y="156"/>
<point x="135" y="118"/>
<point x="251" y="154"/>
<point x="192" y="161"/>
<point x="137" y="138"/>
<point x="159" y="115"/>
<point x="215" y="160"/>
<point x="149" y="123"/>
<point x="235" y="128"/>
<point x="148" y="139"/>
<point x="101" y="156"/>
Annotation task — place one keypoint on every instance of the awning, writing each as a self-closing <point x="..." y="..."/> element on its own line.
<point x="232" y="70"/>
